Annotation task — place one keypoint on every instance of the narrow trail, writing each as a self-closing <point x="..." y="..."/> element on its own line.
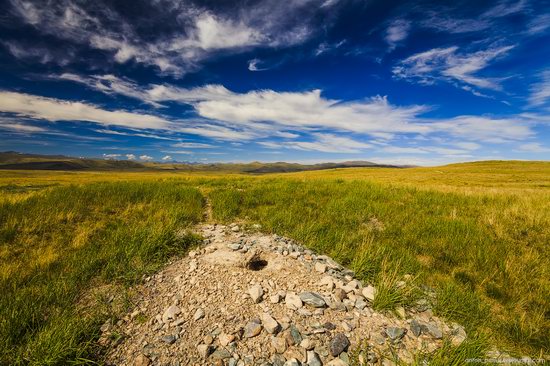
<point x="246" y="298"/>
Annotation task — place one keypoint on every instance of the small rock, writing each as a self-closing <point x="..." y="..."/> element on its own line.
<point x="205" y="350"/>
<point x="252" y="329"/>
<point x="338" y="344"/>
<point x="234" y="246"/>
<point x="458" y="335"/>
<point x="142" y="360"/>
<point x="401" y="312"/>
<point x="225" y="339"/>
<point x="293" y="301"/>
<point x="275" y="299"/>
<point x="199" y="314"/>
<point x="327" y="281"/>
<point x="360" y="303"/>
<point x="170" y="313"/>
<point x="415" y="327"/>
<point x="208" y="340"/>
<point x="313" y="359"/>
<point x="292" y="362"/>
<point x="279" y="344"/>
<point x="221" y="354"/>
<point x="395" y="333"/>
<point x="235" y="228"/>
<point x="340" y="294"/>
<point x="256" y="292"/>
<point x="320" y="267"/>
<point x="369" y="293"/>
<point x="307" y="344"/>
<point x="169" y="339"/>
<point x="270" y="324"/>
<point x="432" y="330"/>
<point x="313" y="299"/>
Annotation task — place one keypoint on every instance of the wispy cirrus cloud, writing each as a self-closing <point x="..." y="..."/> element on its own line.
<point x="450" y="65"/>
<point x="191" y="33"/>
<point x="397" y="31"/>
<point x="540" y="91"/>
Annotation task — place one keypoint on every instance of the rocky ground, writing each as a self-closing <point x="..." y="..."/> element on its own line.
<point x="254" y="299"/>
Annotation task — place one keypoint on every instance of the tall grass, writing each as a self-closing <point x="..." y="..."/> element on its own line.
<point x="65" y="253"/>
<point x="486" y="256"/>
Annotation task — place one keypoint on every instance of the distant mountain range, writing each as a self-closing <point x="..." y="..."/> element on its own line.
<point x="20" y="161"/>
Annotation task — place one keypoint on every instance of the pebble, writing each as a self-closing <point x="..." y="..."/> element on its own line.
<point x="142" y="360"/>
<point x="338" y="344"/>
<point x="369" y="293"/>
<point x="432" y="330"/>
<point x="320" y="267"/>
<point x="292" y="362"/>
<point x="270" y="324"/>
<point x="395" y="333"/>
<point x="252" y="329"/>
<point x="275" y="299"/>
<point x="221" y="354"/>
<point x="170" y="313"/>
<point x="313" y="359"/>
<point x="199" y="314"/>
<point x="279" y="344"/>
<point x="256" y="292"/>
<point x="225" y="339"/>
<point x="293" y="301"/>
<point x="415" y="327"/>
<point x="169" y="339"/>
<point x="337" y="362"/>
<point x="313" y="299"/>
<point x="205" y="350"/>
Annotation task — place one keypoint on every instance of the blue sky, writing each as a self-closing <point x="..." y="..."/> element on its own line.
<point x="411" y="82"/>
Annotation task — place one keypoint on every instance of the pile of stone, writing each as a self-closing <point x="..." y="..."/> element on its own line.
<point x="254" y="299"/>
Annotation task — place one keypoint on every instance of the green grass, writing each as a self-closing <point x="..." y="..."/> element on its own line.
<point x="64" y="252"/>
<point x="474" y="237"/>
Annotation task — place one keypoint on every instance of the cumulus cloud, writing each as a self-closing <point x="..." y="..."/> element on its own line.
<point x="167" y="158"/>
<point x="130" y="157"/>
<point x="51" y="109"/>
<point x="181" y="35"/>
<point x="447" y="64"/>
<point x="145" y="158"/>
<point x="111" y="156"/>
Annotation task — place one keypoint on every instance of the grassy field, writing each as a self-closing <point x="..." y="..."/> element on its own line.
<point x="478" y="234"/>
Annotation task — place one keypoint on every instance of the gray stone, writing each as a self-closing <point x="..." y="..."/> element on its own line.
<point x="234" y="246"/>
<point x="338" y="344"/>
<point x="432" y="330"/>
<point x="415" y="327"/>
<point x="221" y="354"/>
<point x="313" y="359"/>
<point x="458" y="335"/>
<point x="320" y="267"/>
<point x="278" y="360"/>
<point x="313" y="299"/>
<point x="360" y="303"/>
<point x="295" y="334"/>
<point x="344" y="357"/>
<point x="252" y="329"/>
<point x="279" y="344"/>
<point x="395" y="333"/>
<point x="169" y="339"/>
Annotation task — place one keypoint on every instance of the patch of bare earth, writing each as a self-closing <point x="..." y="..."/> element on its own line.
<point x="255" y="299"/>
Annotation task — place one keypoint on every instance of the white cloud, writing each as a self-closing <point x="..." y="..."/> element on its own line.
<point x="539" y="24"/>
<point x="145" y="157"/>
<point x="397" y="31"/>
<point x="485" y="129"/>
<point x="534" y="147"/>
<point x="167" y="158"/>
<point x="16" y="126"/>
<point x="186" y="34"/>
<point x="448" y="65"/>
<point x="31" y="106"/>
<point x="190" y="145"/>
<point x="253" y="65"/>
<point x="111" y="156"/>
<point x="540" y="92"/>
<point x="130" y="157"/>
<point x="322" y="142"/>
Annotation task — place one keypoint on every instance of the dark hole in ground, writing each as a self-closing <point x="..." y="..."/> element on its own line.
<point x="256" y="264"/>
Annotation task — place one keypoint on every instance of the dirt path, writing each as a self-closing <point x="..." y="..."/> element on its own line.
<point x="245" y="298"/>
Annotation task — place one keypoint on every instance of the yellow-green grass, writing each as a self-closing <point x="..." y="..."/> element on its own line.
<point x="65" y="251"/>
<point x="478" y="234"/>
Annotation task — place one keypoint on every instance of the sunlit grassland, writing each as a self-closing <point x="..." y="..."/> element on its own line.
<point x="477" y="233"/>
<point x="66" y="251"/>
